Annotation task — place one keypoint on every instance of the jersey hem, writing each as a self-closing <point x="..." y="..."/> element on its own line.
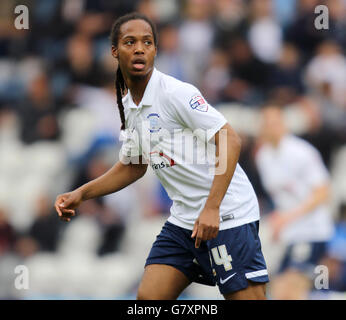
<point x="223" y="224"/>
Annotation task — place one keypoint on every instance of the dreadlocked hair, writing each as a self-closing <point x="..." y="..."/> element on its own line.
<point x="120" y="84"/>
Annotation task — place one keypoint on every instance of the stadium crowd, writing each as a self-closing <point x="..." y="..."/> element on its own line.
<point x="59" y="127"/>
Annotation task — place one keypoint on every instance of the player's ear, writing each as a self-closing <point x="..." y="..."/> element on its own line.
<point x="114" y="52"/>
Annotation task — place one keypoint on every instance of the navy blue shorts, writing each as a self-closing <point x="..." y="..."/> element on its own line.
<point x="229" y="260"/>
<point x="303" y="256"/>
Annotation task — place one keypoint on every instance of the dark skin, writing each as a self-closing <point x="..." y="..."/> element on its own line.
<point x="136" y="44"/>
<point x="135" y="53"/>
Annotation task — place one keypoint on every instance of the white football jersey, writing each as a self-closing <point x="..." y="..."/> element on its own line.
<point x="172" y="129"/>
<point x="289" y="173"/>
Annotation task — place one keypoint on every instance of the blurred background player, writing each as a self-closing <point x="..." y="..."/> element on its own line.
<point x="293" y="173"/>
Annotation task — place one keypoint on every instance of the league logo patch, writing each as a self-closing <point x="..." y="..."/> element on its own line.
<point x="198" y="103"/>
<point x="154" y="122"/>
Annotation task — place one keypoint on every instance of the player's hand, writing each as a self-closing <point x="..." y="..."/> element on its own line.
<point x="65" y="204"/>
<point x="206" y="226"/>
<point x="278" y="221"/>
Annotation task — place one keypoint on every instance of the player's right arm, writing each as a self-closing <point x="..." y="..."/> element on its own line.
<point x="115" y="179"/>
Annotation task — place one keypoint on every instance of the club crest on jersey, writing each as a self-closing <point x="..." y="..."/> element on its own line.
<point x="154" y="122"/>
<point x="197" y="102"/>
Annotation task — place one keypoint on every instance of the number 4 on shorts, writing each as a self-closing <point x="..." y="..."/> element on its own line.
<point x="221" y="257"/>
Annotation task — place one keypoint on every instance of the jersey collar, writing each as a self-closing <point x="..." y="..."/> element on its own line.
<point x="149" y="93"/>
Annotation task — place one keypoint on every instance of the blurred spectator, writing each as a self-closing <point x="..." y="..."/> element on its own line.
<point x="7" y="234"/>
<point x="195" y="35"/>
<point x="169" y="60"/>
<point x="302" y="31"/>
<point x="337" y="21"/>
<point x="148" y="8"/>
<point x="112" y="227"/>
<point x="286" y="79"/>
<point x="265" y="34"/>
<point x="38" y="112"/>
<point x="216" y="76"/>
<point x="13" y="42"/>
<point x="326" y="73"/>
<point x="72" y="10"/>
<point x="229" y="22"/>
<point x="79" y="65"/>
<point x="109" y="212"/>
<point x="94" y="24"/>
<point x="25" y="247"/>
<point x="88" y="15"/>
<point x="249" y="76"/>
<point x="101" y="102"/>
<point x="9" y="124"/>
<point x="164" y="10"/>
<point x="46" y="226"/>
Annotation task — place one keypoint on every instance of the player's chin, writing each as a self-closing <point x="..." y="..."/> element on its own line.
<point x="135" y="72"/>
<point x="140" y="72"/>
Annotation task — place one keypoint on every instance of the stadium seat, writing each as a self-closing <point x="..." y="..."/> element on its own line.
<point x="78" y="126"/>
<point x="22" y="199"/>
<point x="44" y="158"/>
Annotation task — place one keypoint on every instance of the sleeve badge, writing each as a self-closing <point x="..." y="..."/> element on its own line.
<point x="197" y="102"/>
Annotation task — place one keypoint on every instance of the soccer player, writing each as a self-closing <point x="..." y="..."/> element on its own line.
<point x="293" y="173"/>
<point x="211" y="235"/>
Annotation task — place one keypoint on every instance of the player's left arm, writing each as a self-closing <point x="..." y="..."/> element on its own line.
<point x="228" y="145"/>
<point x="190" y="109"/>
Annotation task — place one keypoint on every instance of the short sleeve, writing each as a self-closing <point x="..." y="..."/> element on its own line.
<point x="130" y="149"/>
<point x="312" y="168"/>
<point x="193" y="111"/>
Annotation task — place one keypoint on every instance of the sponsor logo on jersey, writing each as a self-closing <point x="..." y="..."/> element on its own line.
<point x="159" y="160"/>
<point x="197" y="102"/>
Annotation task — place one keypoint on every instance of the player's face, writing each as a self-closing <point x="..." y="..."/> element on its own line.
<point x="272" y="126"/>
<point x="136" y="49"/>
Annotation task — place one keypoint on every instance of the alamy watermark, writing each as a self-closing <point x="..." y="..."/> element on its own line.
<point x="22" y="19"/>
<point x="21" y="281"/>
<point x="322" y="278"/>
<point x="163" y="148"/>
<point x="322" y="20"/>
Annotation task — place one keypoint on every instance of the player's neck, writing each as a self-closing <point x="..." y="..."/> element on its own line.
<point x="275" y="141"/>
<point x="137" y="86"/>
